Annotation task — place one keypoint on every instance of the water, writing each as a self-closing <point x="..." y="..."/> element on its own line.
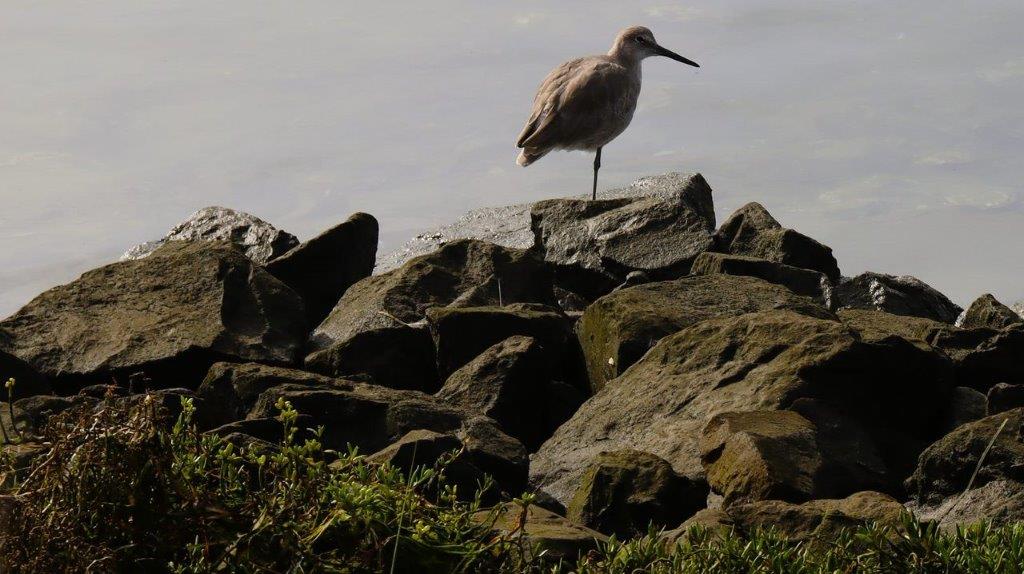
<point x="890" y="132"/>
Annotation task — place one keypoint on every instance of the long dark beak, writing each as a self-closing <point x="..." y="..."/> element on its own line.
<point x="670" y="54"/>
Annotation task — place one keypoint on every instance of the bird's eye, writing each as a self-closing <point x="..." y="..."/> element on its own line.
<point x="640" y="39"/>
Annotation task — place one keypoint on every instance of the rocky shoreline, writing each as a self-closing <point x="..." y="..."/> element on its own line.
<point x="628" y="359"/>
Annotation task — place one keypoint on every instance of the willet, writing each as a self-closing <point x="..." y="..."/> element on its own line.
<point x="587" y="102"/>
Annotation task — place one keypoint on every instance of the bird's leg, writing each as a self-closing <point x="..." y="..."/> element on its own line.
<point x="597" y="166"/>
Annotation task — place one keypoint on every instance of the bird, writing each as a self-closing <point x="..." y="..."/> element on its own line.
<point x="587" y="102"/>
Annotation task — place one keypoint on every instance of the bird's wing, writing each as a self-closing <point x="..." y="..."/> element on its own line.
<point x="568" y="100"/>
<point x="545" y="103"/>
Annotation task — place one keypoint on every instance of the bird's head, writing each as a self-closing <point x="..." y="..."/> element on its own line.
<point x="636" y="43"/>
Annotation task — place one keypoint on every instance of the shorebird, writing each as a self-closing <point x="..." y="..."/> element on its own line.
<point x="587" y="102"/>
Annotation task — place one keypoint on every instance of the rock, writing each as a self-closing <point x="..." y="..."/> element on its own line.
<point x="753" y="232"/>
<point x="461" y="334"/>
<point x="779" y="455"/>
<point x="817" y="519"/>
<point x="805" y="282"/>
<point x="1003" y="397"/>
<point x="984" y="357"/>
<point x="551" y="536"/>
<point x="399" y="357"/>
<point x="623" y="492"/>
<point x="264" y="431"/>
<point x="230" y="390"/>
<point x="322" y="269"/>
<point x="618" y="329"/>
<point x="423" y="448"/>
<point x="511" y="382"/>
<point x="32" y="413"/>
<point x="903" y="295"/>
<point x="465" y="273"/>
<point x="609" y="238"/>
<point x="986" y="311"/>
<point x="981" y="357"/>
<point x="368" y="417"/>
<point x="259" y="240"/>
<point x="999" y="503"/>
<point x="966" y="405"/>
<point x="945" y="468"/>
<point x="633" y="278"/>
<point x="756" y="361"/>
<point x="27" y="381"/>
<point x="509" y="226"/>
<point x="170" y="315"/>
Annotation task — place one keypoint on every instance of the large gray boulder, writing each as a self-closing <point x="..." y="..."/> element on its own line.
<point x="902" y="295"/>
<point x="756" y="361"/>
<point x="987" y="311"/>
<point x="170" y="315"/>
<point x="259" y="240"/>
<point x="607" y="239"/>
<point x="617" y="329"/>
<point x="509" y="226"/>
<point x="462" y="273"/>
<point x="753" y="232"/>
<point x="322" y="269"/>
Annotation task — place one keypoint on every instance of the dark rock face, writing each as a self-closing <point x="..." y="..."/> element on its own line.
<point x="805" y="282"/>
<point x="753" y="232"/>
<point x="816" y="519"/>
<point x="259" y="240"/>
<point x="322" y="269"/>
<point x="466" y="468"/>
<point x="399" y="357"/>
<point x="981" y="357"/>
<point x="945" y="468"/>
<point x="966" y="405"/>
<point x="170" y="315"/>
<point x="984" y="357"/>
<point x="987" y="311"/>
<point x="557" y="538"/>
<point x="365" y="416"/>
<point x="460" y="334"/>
<point x="610" y="238"/>
<point x="1003" y="397"/>
<point x="28" y="382"/>
<point x="999" y="502"/>
<point x="511" y="382"/>
<point x="757" y="361"/>
<point x="462" y="273"/>
<point x="780" y="455"/>
<point x="902" y="295"/>
<point x="231" y="389"/>
<point x="623" y="492"/>
<point x="616" y="330"/>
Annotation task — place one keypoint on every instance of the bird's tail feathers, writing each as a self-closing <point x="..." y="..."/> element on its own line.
<point x="530" y="155"/>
